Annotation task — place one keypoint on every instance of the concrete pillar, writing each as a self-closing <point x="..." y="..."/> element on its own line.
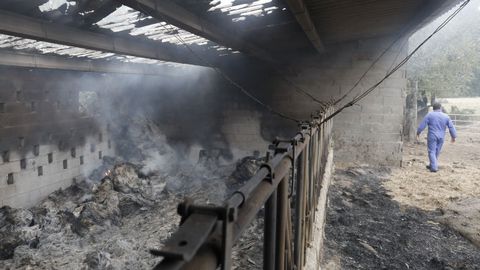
<point x="411" y="114"/>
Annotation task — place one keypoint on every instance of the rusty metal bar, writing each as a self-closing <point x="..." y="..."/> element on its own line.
<point x="270" y="225"/>
<point x="288" y="237"/>
<point x="304" y="206"/>
<point x="297" y="257"/>
<point x="249" y="209"/>
<point x="268" y="187"/>
<point x="281" y="224"/>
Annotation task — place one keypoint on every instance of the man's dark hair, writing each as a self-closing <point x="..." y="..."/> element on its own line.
<point x="437" y="106"/>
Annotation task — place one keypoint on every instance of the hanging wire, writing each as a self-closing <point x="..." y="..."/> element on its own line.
<point x="367" y="70"/>
<point x="397" y="38"/>
<point x="399" y="65"/>
<point x="297" y="88"/>
<point x="231" y="81"/>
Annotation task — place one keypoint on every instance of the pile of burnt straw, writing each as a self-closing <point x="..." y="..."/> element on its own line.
<point x="113" y="222"/>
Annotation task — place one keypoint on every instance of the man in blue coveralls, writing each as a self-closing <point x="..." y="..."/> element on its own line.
<point x="437" y="122"/>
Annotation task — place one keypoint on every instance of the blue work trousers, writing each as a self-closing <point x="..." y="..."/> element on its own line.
<point x="434" y="147"/>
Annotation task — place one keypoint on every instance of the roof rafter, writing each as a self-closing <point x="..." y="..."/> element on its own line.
<point x="26" y="27"/>
<point x="166" y="10"/>
<point x="14" y="59"/>
<point x="300" y="10"/>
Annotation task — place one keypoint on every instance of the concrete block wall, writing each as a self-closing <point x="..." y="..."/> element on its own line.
<point x="43" y="137"/>
<point x="41" y="175"/>
<point x="242" y="130"/>
<point x="370" y="132"/>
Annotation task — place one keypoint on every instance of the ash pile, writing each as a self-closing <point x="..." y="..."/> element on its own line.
<point x="113" y="217"/>
<point x="89" y="225"/>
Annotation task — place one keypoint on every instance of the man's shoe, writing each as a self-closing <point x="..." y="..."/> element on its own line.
<point x="428" y="167"/>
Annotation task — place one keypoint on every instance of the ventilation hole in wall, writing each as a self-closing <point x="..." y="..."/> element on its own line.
<point x="100" y="137"/>
<point x="6" y="156"/>
<point x="100" y="155"/>
<point x="40" y="170"/>
<point x="2" y="107"/>
<point x="81" y="160"/>
<point x="92" y="148"/>
<point x="18" y="95"/>
<point x="50" y="158"/>
<point x="65" y="164"/>
<point x="21" y="141"/>
<point x="62" y="145"/>
<point x="36" y="150"/>
<point x="109" y="144"/>
<point x="10" y="179"/>
<point x="73" y="152"/>
<point x="23" y="164"/>
<point x="33" y="106"/>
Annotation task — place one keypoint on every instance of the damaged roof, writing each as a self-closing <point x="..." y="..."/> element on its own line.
<point x="203" y="32"/>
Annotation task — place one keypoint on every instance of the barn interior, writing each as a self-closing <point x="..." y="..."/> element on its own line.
<point x="112" y="111"/>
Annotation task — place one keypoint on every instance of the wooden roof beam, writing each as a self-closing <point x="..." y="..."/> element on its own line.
<point x="301" y="13"/>
<point x="166" y="10"/>
<point x="27" y="27"/>
<point x="13" y="59"/>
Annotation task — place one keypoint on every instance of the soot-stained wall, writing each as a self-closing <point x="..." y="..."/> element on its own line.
<point x="43" y="114"/>
<point x="49" y="119"/>
<point x="45" y="141"/>
<point x="371" y="131"/>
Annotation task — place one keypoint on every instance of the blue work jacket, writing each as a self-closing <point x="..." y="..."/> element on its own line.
<point x="437" y="122"/>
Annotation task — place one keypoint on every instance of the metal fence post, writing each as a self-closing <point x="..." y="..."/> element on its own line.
<point x="297" y="257"/>
<point x="270" y="225"/>
<point x="282" y="197"/>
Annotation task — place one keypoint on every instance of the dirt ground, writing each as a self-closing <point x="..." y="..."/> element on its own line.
<point x="408" y="217"/>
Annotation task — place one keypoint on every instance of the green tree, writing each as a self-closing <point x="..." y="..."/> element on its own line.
<point x="449" y="64"/>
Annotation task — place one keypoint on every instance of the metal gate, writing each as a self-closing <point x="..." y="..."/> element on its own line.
<point x="287" y="185"/>
<point x="466" y="124"/>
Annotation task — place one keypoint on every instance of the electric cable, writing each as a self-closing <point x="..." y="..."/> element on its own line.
<point x="300" y="90"/>
<point x="231" y="81"/>
<point x="399" y="65"/>
<point x="296" y="87"/>
<point x="367" y="70"/>
<point x="399" y="37"/>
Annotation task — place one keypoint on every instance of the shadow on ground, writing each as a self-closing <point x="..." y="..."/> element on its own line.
<point x="366" y="229"/>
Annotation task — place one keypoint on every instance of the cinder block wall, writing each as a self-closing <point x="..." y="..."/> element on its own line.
<point x="39" y="115"/>
<point x="370" y="132"/>
<point x="242" y="129"/>
<point x="45" y="143"/>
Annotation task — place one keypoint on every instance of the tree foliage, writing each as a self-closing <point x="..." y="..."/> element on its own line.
<point x="449" y="64"/>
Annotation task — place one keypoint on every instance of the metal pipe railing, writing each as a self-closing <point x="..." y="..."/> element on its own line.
<point x="270" y="225"/>
<point x="206" y="234"/>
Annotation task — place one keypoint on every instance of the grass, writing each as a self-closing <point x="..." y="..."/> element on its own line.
<point x="461" y="103"/>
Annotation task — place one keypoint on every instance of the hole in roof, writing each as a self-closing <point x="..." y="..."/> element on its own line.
<point x="51" y="5"/>
<point x="241" y="11"/>
<point x="125" y="19"/>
